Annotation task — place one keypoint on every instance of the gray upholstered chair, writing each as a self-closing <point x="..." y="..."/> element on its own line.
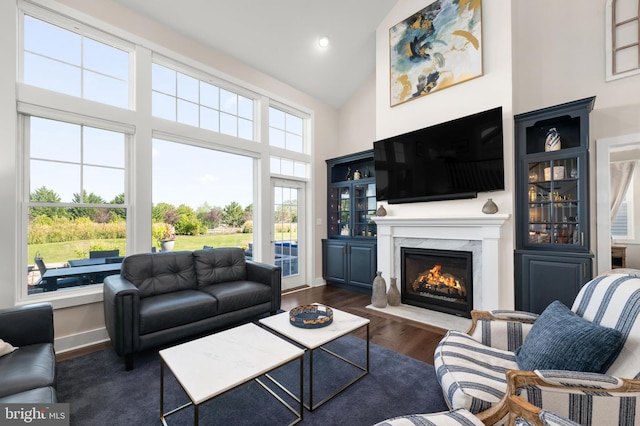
<point x="479" y="370"/>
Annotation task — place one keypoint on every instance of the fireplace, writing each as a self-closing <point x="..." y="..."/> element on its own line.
<point x="441" y="280"/>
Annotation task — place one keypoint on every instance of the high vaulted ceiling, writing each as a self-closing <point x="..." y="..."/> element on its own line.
<point x="279" y="37"/>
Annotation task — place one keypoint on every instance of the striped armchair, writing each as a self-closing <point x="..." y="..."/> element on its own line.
<point x="478" y="370"/>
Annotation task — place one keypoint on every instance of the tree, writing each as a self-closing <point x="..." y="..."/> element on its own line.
<point x="164" y="212"/>
<point x="45" y="195"/>
<point x="248" y="212"/>
<point x="233" y="214"/>
<point x="118" y="214"/>
<point x="100" y="215"/>
<point x="209" y="217"/>
<point x="215" y="216"/>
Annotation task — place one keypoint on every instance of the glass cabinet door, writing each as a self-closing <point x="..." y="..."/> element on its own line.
<point x="365" y="209"/>
<point x="340" y="211"/>
<point x="554" y="202"/>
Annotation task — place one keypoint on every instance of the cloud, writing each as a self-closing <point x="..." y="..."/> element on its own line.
<point x="209" y="179"/>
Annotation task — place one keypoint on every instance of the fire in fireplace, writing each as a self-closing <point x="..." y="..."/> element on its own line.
<point x="441" y="280"/>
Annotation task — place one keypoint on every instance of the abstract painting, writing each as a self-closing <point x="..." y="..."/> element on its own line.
<point x="435" y="48"/>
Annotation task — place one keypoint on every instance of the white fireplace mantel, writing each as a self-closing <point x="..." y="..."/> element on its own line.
<point x="481" y="231"/>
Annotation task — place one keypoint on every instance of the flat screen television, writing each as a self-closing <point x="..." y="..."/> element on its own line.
<point x="447" y="161"/>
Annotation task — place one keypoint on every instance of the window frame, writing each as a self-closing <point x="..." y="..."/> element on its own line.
<point x="630" y="200"/>
<point x="84" y="30"/>
<point x="221" y="84"/>
<point x="81" y="294"/>
<point x="610" y="42"/>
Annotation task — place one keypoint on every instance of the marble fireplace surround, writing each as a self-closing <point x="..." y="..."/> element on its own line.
<point x="477" y="234"/>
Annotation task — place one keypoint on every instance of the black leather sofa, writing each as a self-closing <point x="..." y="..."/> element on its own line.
<point x="28" y="374"/>
<point x="163" y="298"/>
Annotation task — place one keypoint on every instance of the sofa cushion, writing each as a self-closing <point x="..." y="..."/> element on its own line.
<point x="561" y="340"/>
<point x="30" y="367"/>
<point x="220" y="265"/>
<point x="160" y="273"/>
<point x="235" y="295"/>
<point x="175" y="309"/>
<point x="44" y="395"/>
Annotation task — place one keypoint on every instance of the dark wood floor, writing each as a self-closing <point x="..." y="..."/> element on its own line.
<point x="407" y="337"/>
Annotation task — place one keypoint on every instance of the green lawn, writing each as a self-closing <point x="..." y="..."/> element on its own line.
<point x="62" y="252"/>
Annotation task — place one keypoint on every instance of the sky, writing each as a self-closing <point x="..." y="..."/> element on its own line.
<point x="184" y="174"/>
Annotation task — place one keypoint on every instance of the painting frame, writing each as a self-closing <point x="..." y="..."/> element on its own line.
<point x="435" y="48"/>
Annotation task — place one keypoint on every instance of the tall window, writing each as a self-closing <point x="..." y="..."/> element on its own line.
<point x="68" y="62"/>
<point x="204" y="195"/>
<point x="285" y="130"/>
<point x="76" y="198"/>
<point x="188" y="100"/>
<point x="623" y="38"/>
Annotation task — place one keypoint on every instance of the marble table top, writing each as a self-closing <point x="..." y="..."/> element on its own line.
<point x="212" y="365"/>
<point x="312" y="338"/>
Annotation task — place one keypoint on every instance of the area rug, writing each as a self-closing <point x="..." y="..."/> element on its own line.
<point x="101" y="392"/>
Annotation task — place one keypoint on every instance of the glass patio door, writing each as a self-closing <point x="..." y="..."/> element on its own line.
<point x="288" y="237"/>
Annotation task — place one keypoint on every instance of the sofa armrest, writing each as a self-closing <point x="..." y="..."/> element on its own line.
<point x="270" y="275"/>
<point x="558" y="391"/>
<point x="501" y="329"/>
<point x="122" y="313"/>
<point x="27" y="325"/>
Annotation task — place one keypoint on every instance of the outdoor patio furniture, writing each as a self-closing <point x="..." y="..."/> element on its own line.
<point x="103" y="253"/>
<point x="48" y="284"/>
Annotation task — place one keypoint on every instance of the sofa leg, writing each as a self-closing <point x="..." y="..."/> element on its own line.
<point x="128" y="362"/>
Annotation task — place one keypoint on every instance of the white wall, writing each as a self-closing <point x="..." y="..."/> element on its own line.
<point x="493" y="89"/>
<point x="357" y="129"/>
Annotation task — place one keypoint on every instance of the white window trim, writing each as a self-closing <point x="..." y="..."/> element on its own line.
<point x="78" y="27"/>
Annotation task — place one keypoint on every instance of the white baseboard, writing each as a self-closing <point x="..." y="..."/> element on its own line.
<point x="80" y="340"/>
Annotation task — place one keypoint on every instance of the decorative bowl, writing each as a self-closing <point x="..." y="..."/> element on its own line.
<point x="311" y="316"/>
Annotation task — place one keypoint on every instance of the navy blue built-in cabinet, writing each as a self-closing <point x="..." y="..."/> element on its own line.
<point x="553" y="259"/>
<point x="349" y="253"/>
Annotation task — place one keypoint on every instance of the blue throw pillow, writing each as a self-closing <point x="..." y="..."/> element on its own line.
<point x="561" y="340"/>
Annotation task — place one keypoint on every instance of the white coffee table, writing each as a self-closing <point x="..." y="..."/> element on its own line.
<point x="212" y="365"/>
<point x="315" y="338"/>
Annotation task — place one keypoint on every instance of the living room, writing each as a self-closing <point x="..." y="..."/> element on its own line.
<point x="529" y="63"/>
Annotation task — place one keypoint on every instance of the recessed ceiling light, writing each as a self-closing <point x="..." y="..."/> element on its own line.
<point x="323" y="41"/>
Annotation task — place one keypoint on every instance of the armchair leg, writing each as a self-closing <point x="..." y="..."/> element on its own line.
<point x="128" y="362"/>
